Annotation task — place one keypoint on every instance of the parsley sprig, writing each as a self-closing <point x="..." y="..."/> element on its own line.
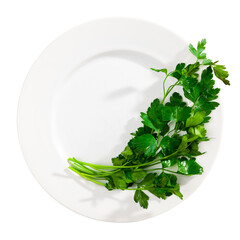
<point x="168" y="142"/>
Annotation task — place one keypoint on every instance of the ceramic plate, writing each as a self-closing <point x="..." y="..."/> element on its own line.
<point x="82" y="98"/>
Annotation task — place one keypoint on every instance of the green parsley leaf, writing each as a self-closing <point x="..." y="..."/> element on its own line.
<point x="118" y="182"/>
<point x="202" y="93"/>
<point x="154" y="113"/>
<point x="176" y="100"/>
<point x="166" y="186"/>
<point x="146" y="144"/>
<point x="191" y="70"/>
<point x="181" y="113"/>
<point x="198" y="130"/>
<point x="164" y="70"/>
<point x="118" y="161"/>
<point x="127" y="152"/>
<point x="142" y="130"/>
<point x="196" y="119"/>
<point x="183" y="146"/>
<point x="169" y="162"/>
<point x="193" y="50"/>
<point x="199" y="51"/>
<point x="110" y="185"/>
<point x="148" y="180"/>
<point x="189" y="167"/>
<point x="141" y="198"/>
<point x="169" y="145"/>
<point x="176" y="191"/>
<point x="201" y="48"/>
<point x="138" y="174"/>
<point x="194" y="149"/>
<point x="221" y="73"/>
<point x="160" y="114"/>
<point x="160" y="193"/>
<point x="180" y="66"/>
<point x="207" y="62"/>
<point x="177" y="73"/>
<point x="147" y="122"/>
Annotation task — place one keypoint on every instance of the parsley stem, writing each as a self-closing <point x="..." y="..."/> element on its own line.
<point x="144" y="188"/>
<point x="168" y="91"/>
<point x="84" y="170"/>
<point x="164" y="90"/>
<point x="155" y="169"/>
<point x="136" y="189"/>
<point x="88" y="178"/>
<point x="131" y="166"/>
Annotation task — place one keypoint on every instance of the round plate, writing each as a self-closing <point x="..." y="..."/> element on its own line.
<point x="82" y="98"/>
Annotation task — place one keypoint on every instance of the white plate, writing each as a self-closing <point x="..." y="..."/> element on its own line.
<point x="82" y="98"/>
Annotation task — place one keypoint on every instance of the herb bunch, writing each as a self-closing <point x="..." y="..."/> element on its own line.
<point x="170" y="136"/>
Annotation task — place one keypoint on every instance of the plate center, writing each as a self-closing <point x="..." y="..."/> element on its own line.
<point x="99" y="104"/>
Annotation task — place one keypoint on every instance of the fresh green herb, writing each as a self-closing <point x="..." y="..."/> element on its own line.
<point x="170" y="136"/>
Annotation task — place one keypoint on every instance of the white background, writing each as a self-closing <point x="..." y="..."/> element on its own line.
<point x="26" y="210"/>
